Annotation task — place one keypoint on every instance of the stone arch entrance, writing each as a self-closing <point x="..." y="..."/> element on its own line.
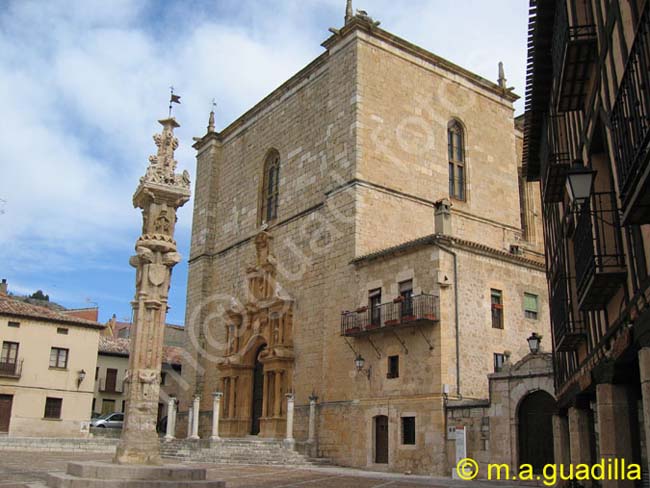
<point x="258" y="392"/>
<point x="381" y="439"/>
<point x="535" y="429"/>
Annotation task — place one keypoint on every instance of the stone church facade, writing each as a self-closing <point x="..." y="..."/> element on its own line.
<point x="362" y="238"/>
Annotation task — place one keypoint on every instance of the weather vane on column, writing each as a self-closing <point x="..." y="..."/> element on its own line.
<point x="173" y="99"/>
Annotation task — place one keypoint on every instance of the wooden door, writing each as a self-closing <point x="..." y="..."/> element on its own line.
<point x="258" y="394"/>
<point x="381" y="439"/>
<point x="5" y="412"/>
<point x="536" y="430"/>
<point x="111" y="380"/>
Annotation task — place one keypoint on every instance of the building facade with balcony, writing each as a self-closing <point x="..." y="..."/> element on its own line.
<point x="587" y="141"/>
<point x="46" y="367"/>
<point x="363" y="242"/>
<point x="110" y="373"/>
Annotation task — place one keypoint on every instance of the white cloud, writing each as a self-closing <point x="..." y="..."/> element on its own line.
<point x="85" y="80"/>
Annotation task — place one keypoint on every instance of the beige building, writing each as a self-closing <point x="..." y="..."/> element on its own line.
<point x="112" y="365"/>
<point x="46" y="367"/>
<point x="363" y="240"/>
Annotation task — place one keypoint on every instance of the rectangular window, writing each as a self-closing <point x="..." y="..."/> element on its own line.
<point x="14" y="324"/>
<point x="59" y="358"/>
<point x="499" y="359"/>
<point x="9" y="357"/>
<point x="163" y="378"/>
<point x="374" y="305"/>
<point x="62" y="331"/>
<point x="497" y="309"/>
<point x="53" y="408"/>
<point x="530" y="306"/>
<point x="460" y="182"/>
<point x="123" y="406"/>
<point x="108" y="406"/>
<point x="96" y="373"/>
<point x="408" y="431"/>
<point x="393" y="367"/>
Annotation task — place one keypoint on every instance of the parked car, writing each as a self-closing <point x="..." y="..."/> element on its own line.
<point x="113" y="420"/>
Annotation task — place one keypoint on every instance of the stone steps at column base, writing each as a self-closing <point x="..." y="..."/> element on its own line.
<point x="70" y="481"/>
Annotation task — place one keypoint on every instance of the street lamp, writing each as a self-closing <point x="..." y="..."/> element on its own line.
<point x="81" y="376"/>
<point x="359" y="362"/>
<point x="533" y="342"/>
<point x="580" y="182"/>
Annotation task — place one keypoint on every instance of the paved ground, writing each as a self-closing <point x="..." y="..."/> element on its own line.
<point x="17" y="468"/>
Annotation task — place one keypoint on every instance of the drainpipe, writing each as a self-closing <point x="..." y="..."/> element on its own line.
<point x="457" y="320"/>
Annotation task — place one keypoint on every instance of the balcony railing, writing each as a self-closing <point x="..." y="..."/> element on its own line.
<point x="574" y="51"/>
<point x="418" y="310"/>
<point x="631" y="128"/>
<point x="557" y="157"/>
<point x="598" y="251"/>
<point x="11" y="369"/>
<point x="568" y="332"/>
<point x="112" y="388"/>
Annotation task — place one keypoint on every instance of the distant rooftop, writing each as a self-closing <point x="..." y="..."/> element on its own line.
<point x="16" y="308"/>
<point x="120" y="347"/>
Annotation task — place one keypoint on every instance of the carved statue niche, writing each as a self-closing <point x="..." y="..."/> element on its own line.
<point x="163" y="224"/>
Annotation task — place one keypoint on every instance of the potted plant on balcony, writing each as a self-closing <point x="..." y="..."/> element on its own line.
<point x="353" y="330"/>
<point x="398" y="299"/>
<point x="361" y="309"/>
<point x="392" y="322"/>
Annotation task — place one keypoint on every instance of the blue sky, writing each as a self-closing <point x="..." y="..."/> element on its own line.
<point x="84" y="82"/>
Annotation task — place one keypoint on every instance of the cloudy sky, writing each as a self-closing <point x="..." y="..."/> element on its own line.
<point x="83" y="83"/>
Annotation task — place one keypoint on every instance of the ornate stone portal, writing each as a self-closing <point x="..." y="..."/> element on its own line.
<point x="257" y="370"/>
<point x="160" y="193"/>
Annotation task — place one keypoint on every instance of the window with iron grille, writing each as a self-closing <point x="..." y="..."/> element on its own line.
<point x="13" y="324"/>
<point x="62" y="331"/>
<point x="53" y="408"/>
<point x="499" y="359"/>
<point x="530" y="306"/>
<point x="59" y="358"/>
<point x="408" y="431"/>
<point x="497" y="308"/>
<point x="456" y="146"/>
<point x="393" y="367"/>
<point x="271" y="188"/>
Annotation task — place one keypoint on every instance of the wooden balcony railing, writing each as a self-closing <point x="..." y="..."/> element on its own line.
<point x="418" y="310"/>
<point x="11" y="369"/>
<point x="631" y="128"/>
<point x="598" y="251"/>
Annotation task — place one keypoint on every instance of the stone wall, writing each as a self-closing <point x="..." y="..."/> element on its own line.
<point x="361" y="134"/>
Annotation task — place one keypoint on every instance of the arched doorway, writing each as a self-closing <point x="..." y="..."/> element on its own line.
<point x="535" y="418"/>
<point x="381" y="439"/>
<point x="258" y="393"/>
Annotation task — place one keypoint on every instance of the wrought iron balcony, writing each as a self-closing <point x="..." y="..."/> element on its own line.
<point x="598" y="251"/>
<point x="568" y="332"/>
<point x="574" y="51"/>
<point x="631" y="128"/>
<point x="556" y="157"/>
<point x="111" y="388"/>
<point x="11" y="369"/>
<point x="418" y="310"/>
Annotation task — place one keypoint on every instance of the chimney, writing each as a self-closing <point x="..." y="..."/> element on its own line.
<point x="443" y="217"/>
<point x="3" y="287"/>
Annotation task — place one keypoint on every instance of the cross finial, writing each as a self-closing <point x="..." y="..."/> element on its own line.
<point x="502" y="77"/>
<point x="348" y="11"/>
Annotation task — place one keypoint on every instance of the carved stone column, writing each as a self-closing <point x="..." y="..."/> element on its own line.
<point x="195" y="417"/>
<point x="160" y="193"/>
<point x="190" y="415"/>
<point x="290" y="404"/>
<point x="216" y="406"/>
<point x="169" y="434"/>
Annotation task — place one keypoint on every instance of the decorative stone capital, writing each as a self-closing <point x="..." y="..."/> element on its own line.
<point x="217" y="395"/>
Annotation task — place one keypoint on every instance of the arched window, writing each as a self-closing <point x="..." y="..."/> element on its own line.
<point x="457" y="173"/>
<point x="270" y="190"/>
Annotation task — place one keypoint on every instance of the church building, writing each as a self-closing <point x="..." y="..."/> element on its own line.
<point x="363" y="243"/>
